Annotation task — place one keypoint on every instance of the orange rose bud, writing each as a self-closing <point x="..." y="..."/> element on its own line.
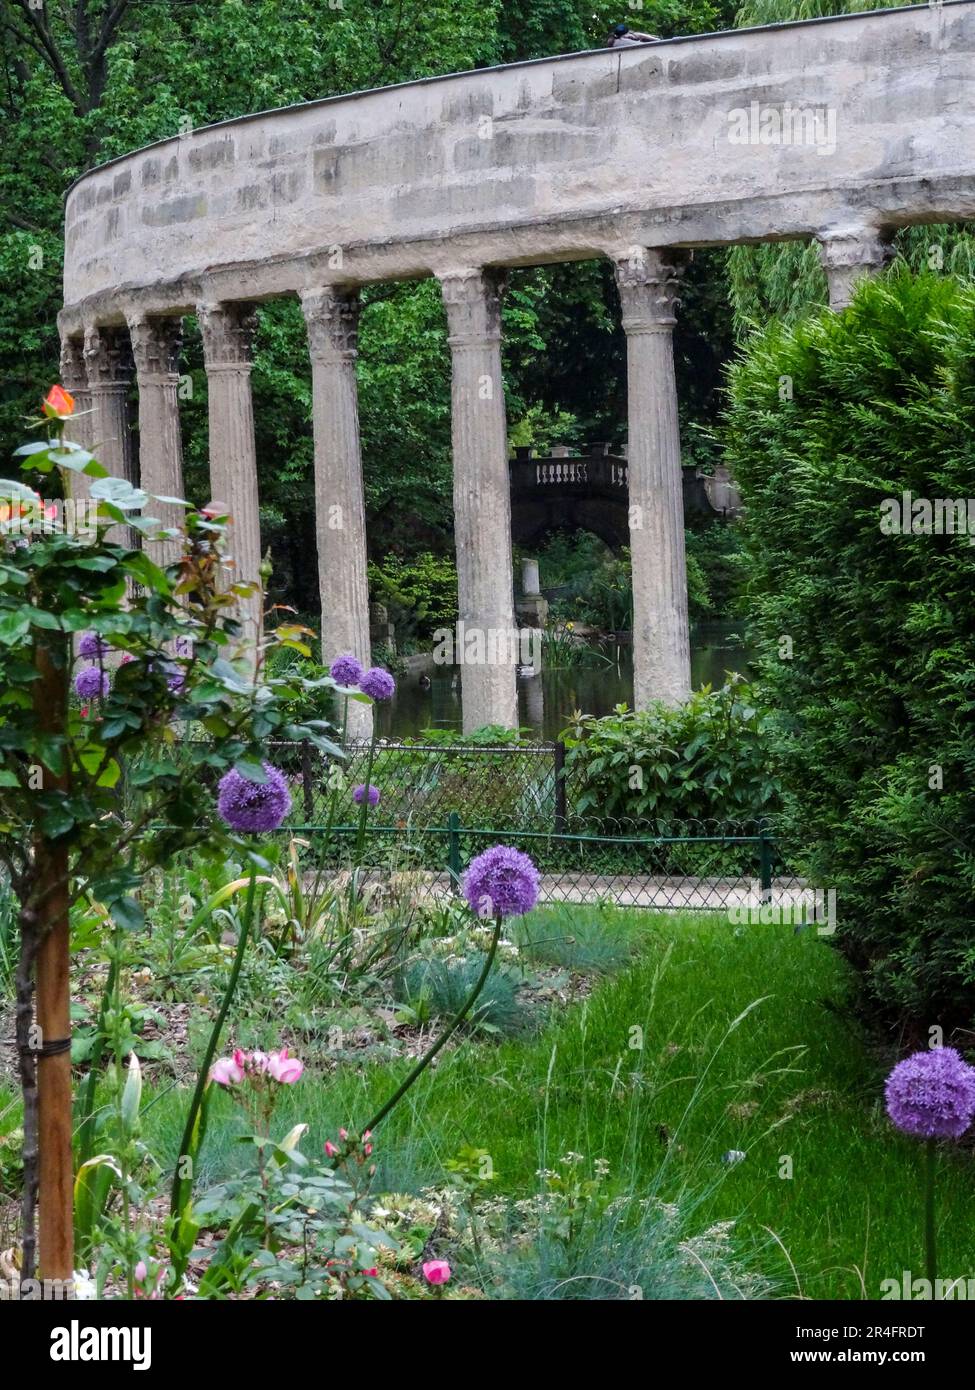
<point x="59" y="402"/>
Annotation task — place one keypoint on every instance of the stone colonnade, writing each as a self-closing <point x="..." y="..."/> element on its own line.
<point x="98" y="369"/>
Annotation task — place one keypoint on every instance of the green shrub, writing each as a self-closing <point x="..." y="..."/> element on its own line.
<point x="714" y="570"/>
<point x="420" y="595"/>
<point x="596" y="582"/>
<point x="708" y="759"/>
<point x="867" y="640"/>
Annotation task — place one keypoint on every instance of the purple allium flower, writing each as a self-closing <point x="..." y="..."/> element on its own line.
<point x="359" y="794"/>
<point x="378" y="683"/>
<point x="92" y="647"/>
<point x="931" y="1094"/>
<point x="346" y="670"/>
<point x="91" y="683"/>
<point x="254" y="806"/>
<point x="501" y="882"/>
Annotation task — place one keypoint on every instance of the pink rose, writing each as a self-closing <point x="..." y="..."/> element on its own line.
<point x="283" y="1068"/>
<point x="330" y="1148"/>
<point x="436" y="1271"/>
<point x="227" y="1071"/>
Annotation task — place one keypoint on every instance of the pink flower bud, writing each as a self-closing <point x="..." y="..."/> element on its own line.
<point x="436" y="1271"/>
<point x="283" y="1068"/>
<point x="227" y="1071"/>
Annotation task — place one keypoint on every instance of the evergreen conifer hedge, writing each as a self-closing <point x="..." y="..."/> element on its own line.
<point x="867" y="636"/>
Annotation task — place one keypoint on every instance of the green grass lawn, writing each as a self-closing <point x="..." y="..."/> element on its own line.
<point x="746" y="1045"/>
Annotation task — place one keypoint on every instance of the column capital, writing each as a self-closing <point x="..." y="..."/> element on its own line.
<point x="848" y="253"/>
<point x="108" y="358"/>
<point x="472" y="299"/>
<point x="649" y="280"/>
<point x="74" y="372"/>
<point x="227" y="330"/>
<point x="332" y="320"/>
<point x="156" y="344"/>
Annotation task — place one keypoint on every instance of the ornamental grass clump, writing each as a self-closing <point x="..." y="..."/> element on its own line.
<point x="931" y="1095"/>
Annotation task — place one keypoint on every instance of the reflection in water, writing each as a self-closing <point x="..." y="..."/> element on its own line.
<point x="545" y="702"/>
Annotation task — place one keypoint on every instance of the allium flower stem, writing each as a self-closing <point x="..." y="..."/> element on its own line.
<point x="451" y="1028"/>
<point x="930" y="1230"/>
<point x="192" y="1141"/>
<point x="360" y="839"/>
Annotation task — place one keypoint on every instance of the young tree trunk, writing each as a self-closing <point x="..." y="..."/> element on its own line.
<point x="56" y="1175"/>
<point x="47" y="939"/>
<point x="28" y="1086"/>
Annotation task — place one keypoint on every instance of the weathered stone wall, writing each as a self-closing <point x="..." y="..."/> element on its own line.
<point x="561" y="158"/>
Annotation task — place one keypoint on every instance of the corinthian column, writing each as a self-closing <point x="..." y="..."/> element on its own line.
<point x="648" y="283"/>
<point x="482" y="498"/>
<point x="332" y="317"/>
<point x="228" y="336"/>
<point x="849" y="254"/>
<point x="74" y="379"/>
<point x="108" y="360"/>
<point x="156" y="345"/>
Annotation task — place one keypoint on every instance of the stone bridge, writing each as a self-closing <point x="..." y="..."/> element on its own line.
<point x="839" y="129"/>
<point x="590" y="492"/>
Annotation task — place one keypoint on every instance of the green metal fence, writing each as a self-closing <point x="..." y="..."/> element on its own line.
<point x="443" y="804"/>
<point x="703" y="867"/>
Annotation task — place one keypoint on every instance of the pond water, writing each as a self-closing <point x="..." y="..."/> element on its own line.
<point x="546" y="702"/>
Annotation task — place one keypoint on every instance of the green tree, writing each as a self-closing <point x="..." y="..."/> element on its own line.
<point x="866" y="638"/>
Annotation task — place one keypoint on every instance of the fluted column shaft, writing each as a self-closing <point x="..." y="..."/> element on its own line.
<point x="648" y="285"/>
<point x="482" y="498"/>
<point x="332" y="318"/>
<point x="74" y="378"/>
<point x="156" y="346"/>
<point x="228" y="335"/>
<point x="108" y="359"/>
<point x="109" y="368"/>
<point x="849" y="254"/>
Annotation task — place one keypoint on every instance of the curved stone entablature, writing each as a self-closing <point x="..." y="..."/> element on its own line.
<point x="556" y="159"/>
